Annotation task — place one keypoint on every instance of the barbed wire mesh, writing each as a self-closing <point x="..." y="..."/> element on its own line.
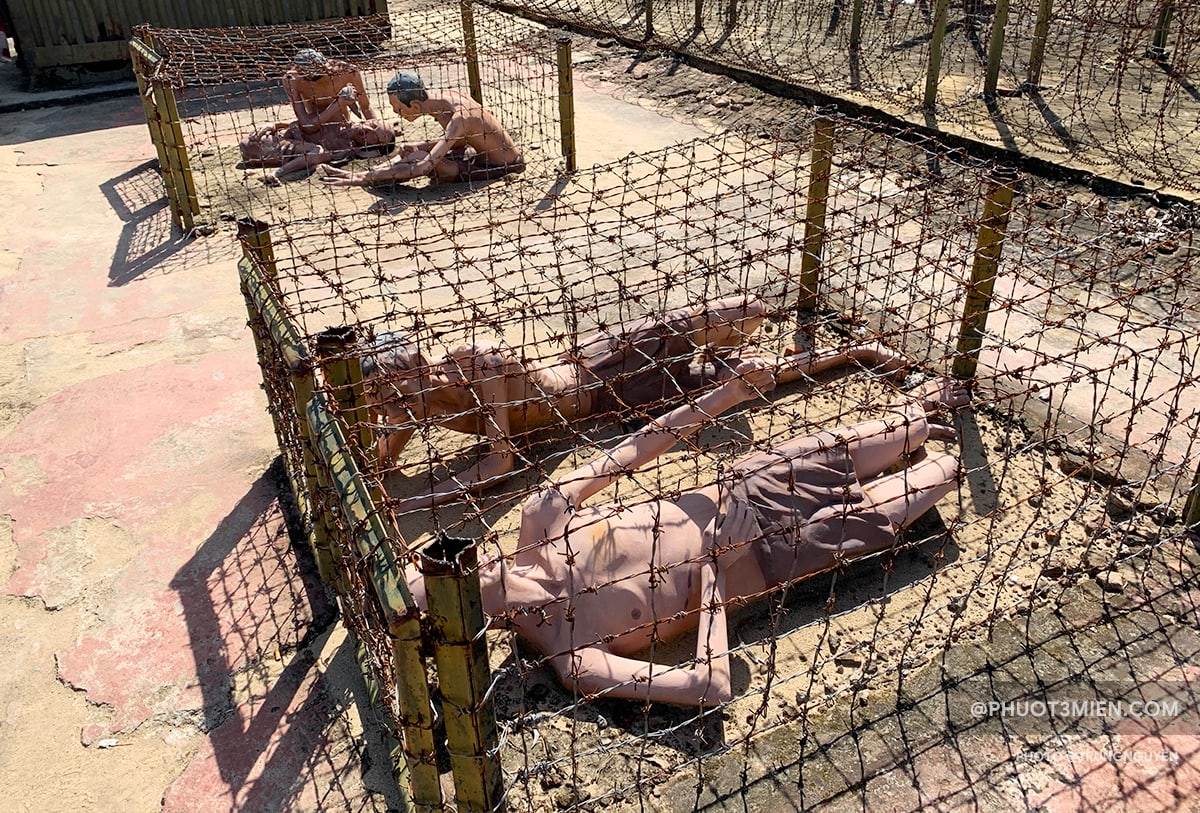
<point x="1109" y="88"/>
<point x="1075" y="456"/>
<point x="228" y="86"/>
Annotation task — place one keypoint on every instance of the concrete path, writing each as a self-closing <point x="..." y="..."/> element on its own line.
<point x="160" y="632"/>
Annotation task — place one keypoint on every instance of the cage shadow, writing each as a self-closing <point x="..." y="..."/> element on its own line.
<point x="246" y="593"/>
<point x="148" y="236"/>
<point x="1055" y="122"/>
<point x="1172" y="72"/>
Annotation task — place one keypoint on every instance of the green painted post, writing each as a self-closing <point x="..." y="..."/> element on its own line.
<point x="566" y="102"/>
<point x="995" y="49"/>
<point x="856" y="14"/>
<point x="819" y="173"/>
<point x="374" y="537"/>
<point x="992" y="230"/>
<point x="941" y="16"/>
<point x="456" y="624"/>
<point x="1161" y="31"/>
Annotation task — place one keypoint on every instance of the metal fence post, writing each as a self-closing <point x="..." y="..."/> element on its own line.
<point x="566" y="102"/>
<point x="995" y="49"/>
<point x="941" y="16"/>
<point x="456" y="623"/>
<point x="992" y="230"/>
<point x="856" y="12"/>
<point x="371" y="533"/>
<point x="1037" y="55"/>
<point x="814" y="218"/>
<point x="1161" y="30"/>
<point x="471" y="48"/>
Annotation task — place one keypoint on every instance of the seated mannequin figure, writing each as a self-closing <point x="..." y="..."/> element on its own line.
<point x="490" y="389"/>
<point x="591" y="586"/>
<point x="334" y="120"/>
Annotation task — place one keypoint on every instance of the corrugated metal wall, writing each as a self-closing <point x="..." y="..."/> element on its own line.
<point x="51" y="33"/>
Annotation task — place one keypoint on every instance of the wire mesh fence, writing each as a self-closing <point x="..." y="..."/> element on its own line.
<point x="581" y="389"/>
<point x="1109" y="87"/>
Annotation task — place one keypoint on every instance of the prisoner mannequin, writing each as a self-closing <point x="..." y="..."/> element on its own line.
<point x="589" y="587"/>
<point x="487" y="389"/>
<point x="334" y="119"/>
<point x="474" y="145"/>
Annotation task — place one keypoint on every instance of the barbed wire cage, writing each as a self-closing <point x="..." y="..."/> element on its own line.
<point x="1072" y="316"/>
<point x="1110" y="87"/>
<point x="206" y="90"/>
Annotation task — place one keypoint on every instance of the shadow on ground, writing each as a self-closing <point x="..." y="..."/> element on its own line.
<point x="274" y="700"/>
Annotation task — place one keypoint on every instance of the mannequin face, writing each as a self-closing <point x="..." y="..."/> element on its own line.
<point x="408" y="112"/>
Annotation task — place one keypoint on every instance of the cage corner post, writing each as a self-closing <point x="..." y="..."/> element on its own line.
<point x="166" y="131"/>
<point x="820" y="171"/>
<point x="566" y="102"/>
<point x="993" y="227"/>
<point x="471" y="49"/>
<point x="271" y="328"/>
<point x="457" y="628"/>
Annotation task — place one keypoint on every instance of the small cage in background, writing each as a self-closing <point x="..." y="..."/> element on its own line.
<point x="207" y="90"/>
<point x="1070" y="314"/>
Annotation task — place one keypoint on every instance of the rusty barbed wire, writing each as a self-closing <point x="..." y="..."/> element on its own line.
<point x="1077" y="451"/>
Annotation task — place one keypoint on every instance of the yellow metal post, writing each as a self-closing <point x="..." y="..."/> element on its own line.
<point x="1037" y="46"/>
<point x="189" y="198"/>
<point x="336" y="348"/>
<point x="992" y="230"/>
<point x="566" y="102"/>
<point x="995" y="49"/>
<point x="819" y="173"/>
<point x="144" y="61"/>
<point x="471" y="48"/>
<point x="941" y="16"/>
<point x="456" y="623"/>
